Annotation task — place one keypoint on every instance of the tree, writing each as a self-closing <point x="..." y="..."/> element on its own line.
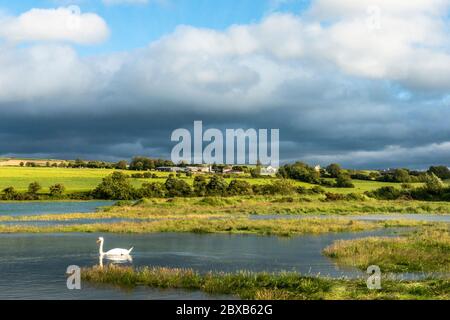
<point x="22" y="164"/>
<point x="121" y="165"/>
<point x="440" y="171"/>
<point x="433" y="183"/>
<point x="299" y="171"/>
<point x="401" y="175"/>
<point x="334" y="170"/>
<point x="200" y="183"/>
<point x="239" y="187"/>
<point x="57" y="190"/>
<point x="10" y="193"/>
<point x="217" y="186"/>
<point x="153" y="190"/>
<point x="116" y="186"/>
<point x="34" y="187"/>
<point x="344" y="181"/>
<point x="177" y="187"/>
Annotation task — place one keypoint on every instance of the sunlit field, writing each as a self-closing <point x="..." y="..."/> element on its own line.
<point x="75" y="179"/>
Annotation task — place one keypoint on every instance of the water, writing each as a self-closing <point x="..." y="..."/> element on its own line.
<point x="32" y="266"/>
<point x="368" y="217"/>
<point x="50" y="207"/>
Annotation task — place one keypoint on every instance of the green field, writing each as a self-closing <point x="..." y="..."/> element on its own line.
<point x="88" y="179"/>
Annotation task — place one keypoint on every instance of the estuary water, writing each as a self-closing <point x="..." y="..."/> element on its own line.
<point x="33" y="266"/>
<point x="25" y="208"/>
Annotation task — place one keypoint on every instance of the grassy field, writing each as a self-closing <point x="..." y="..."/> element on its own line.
<point x="87" y="179"/>
<point x="426" y="250"/>
<point x="266" y="286"/>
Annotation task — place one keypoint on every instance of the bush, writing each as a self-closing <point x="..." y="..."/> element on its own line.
<point x="115" y="187"/>
<point x="177" y="187"/>
<point x="299" y="171"/>
<point x="57" y="190"/>
<point x="385" y="193"/>
<point x="344" y="181"/>
<point x="200" y="183"/>
<point x="217" y="186"/>
<point x="281" y="186"/>
<point x="239" y="187"/>
<point x="34" y="187"/>
<point x="152" y="190"/>
<point x="10" y="194"/>
<point x="334" y="196"/>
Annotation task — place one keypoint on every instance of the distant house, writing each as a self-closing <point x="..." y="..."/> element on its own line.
<point x="170" y="169"/>
<point x="232" y="171"/>
<point x="200" y="169"/>
<point x="268" y="171"/>
<point x="318" y="168"/>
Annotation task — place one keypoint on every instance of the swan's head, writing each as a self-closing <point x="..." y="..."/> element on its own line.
<point x="100" y="239"/>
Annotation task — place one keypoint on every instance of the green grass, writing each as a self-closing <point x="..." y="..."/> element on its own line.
<point x="426" y="250"/>
<point x="239" y="207"/>
<point x="281" y="227"/>
<point x="87" y="179"/>
<point x="265" y="286"/>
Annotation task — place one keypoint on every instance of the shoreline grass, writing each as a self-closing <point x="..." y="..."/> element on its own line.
<point x="265" y="286"/>
<point x="244" y="206"/>
<point x="280" y="227"/>
<point x="424" y="250"/>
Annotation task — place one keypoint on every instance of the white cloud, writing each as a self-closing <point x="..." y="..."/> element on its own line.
<point x="337" y="84"/>
<point x="62" y="24"/>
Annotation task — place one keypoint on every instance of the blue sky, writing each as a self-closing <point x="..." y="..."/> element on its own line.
<point x="136" y="25"/>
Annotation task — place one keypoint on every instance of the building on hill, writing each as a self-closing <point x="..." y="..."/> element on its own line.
<point x="171" y="169"/>
<point x="268" y="171"/>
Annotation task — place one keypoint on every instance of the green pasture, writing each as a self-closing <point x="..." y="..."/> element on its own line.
<point x="75" y="179"/>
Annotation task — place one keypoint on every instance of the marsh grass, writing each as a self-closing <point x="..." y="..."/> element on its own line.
<point x="210" y="207"/>
<point x="425" y="250"/>
<point x="279" y="227"/>
<point x="264" y="286"/>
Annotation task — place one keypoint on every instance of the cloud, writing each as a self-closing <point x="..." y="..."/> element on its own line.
<point x="62" y="24"/>
<point x="337" y="87"/>
<point x="119" y="2"/>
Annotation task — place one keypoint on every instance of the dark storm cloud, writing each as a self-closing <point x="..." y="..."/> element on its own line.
<point x="334" y="99"/>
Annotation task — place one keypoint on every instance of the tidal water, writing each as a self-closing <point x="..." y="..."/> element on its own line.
<point x="33" y="266"/>
<point x="25" y="208"/>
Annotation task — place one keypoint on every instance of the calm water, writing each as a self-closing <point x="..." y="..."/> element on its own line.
<point x="33" y="266"/>
<point x="50" y="207"/>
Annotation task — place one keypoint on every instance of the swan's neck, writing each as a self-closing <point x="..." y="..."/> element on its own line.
<point x="100" y="250"/>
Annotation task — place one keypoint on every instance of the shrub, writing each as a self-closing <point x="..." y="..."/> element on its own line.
<point x="57" y="190"/>
<point x="152" y="190"/>
<point x="344" y="181"/>
<point x="10" y="193"/>
<point x="217" y="186"/>
<point x="34" y="187"/>
<point x="280" y="186"/>
<point x="115" y="187"/>
<point x="239" y="187"/>
<point x="385" y="193"/>
<point x="177" y="187"/>
<point x="330" y="196"/>
<point x="200" y="183"/>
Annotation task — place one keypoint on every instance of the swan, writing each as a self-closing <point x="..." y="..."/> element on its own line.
<point x="114" y="254"/>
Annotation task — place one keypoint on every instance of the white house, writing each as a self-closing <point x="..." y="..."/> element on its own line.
<point x="268" y="171"/>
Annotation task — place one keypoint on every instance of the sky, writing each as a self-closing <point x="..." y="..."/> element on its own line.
<point x="365" y="83"/>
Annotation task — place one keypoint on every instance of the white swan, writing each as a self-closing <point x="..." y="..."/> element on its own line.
<point x="114" y="254"/>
